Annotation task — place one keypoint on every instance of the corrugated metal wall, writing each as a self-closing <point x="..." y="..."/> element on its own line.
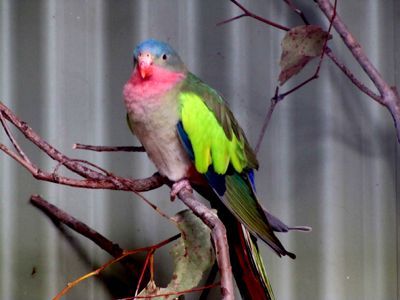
<point x="328" y="159"/>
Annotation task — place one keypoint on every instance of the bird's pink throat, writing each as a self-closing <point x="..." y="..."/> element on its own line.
<point x="152" y="87"/>
<point x="157" y="83"/>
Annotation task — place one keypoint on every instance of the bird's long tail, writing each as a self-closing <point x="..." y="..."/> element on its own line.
<point x="247" y="265"/>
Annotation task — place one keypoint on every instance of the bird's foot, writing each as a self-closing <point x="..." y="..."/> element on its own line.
<point x="178" y="186"/>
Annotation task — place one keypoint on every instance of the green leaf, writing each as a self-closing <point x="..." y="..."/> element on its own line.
<point x="192" y="254"/>
<point x="299" y="46"/>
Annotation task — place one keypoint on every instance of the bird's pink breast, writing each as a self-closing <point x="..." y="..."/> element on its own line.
<point x="152" y="88"/>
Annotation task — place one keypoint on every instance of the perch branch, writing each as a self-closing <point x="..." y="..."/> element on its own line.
<point x="95" y="180"/>
<point x="390" y="96"/>
<point x="110" y="181"/>
<point x="146" y="184"/>
<point x="218" y="233"/>
<point x="47" y="148"/>
<point x="99" y="180"/>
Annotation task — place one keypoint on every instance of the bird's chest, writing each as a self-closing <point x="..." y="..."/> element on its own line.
<point x="154" y="124"/>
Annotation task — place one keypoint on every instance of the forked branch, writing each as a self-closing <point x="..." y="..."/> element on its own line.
<point x="106" y="180"/>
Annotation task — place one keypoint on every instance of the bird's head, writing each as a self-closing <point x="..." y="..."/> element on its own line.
<point x="152" y="54"/>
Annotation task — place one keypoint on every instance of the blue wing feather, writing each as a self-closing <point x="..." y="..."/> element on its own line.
<point x="217" y="181"/>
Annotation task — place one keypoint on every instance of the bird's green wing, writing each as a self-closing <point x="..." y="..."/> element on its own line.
<point x="220" y="151"/>
<point x="215" y="135"/>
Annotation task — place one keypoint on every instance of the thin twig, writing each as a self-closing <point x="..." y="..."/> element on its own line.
<point x="390" y="96"/>
<point x="274" y="101"/>
<point x="47" y="148"/>
<point x="124" y="254"/>
<point x="353" y="79"/>
<point x="326" y="39"/>
<point x="277" y="98"/>
<point x="148" y="256"/>
<point x="298" y="11"/>
<point x="95" y="180"/>
<point x="145" y="184"/>
<point x="109" y="149"/>
<point x="250" y="14"/>
<point x="12" y="139"/>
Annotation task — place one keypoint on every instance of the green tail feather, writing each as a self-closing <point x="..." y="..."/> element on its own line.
<point x="242" y="201"/>
<point x="258" y="264"/>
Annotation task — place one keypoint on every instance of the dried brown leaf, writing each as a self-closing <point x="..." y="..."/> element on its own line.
<point x="192" y="254"/>
<point x="299" y="46"/>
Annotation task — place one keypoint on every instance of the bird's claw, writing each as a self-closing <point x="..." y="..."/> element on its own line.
<point x="178" y="186"/>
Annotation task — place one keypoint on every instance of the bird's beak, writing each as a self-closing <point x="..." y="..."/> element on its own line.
<point x="145" y="62"/>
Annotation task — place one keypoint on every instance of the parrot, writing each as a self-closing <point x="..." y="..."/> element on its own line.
<point x="194" y="140"/>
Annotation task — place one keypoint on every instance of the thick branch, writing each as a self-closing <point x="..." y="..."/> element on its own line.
<point x="138" y="185"/>
<point x="218" y="232"/>
<point x="48" y="149"/>
<point x="390" y="96"/>
<point x="81" y="228"/>
<point x="95" y="180"/>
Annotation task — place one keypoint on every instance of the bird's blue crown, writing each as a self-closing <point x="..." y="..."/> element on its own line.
<point x="155" y="47"/>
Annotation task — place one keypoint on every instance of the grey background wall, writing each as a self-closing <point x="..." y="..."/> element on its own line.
<point x="328" y="159"/>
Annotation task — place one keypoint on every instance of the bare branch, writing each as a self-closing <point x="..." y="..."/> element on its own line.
<point x="124" y="254"/>
<point x="338" y="63"/>
<point x="139" y="185"/>
<point x="277" y="98"/>
<point x="113" y="249"/>
<point x="250" y="14"/>
<point x="274" y="102"/>
<point x="95" y="180"/>
<point x="109" y="149"/>
<point x="390" y="97"/>
<point x="218" y="233"/>
<point x="359" y="84"/>
<point x="12" y="139"/>
<point x="298" y="11"/>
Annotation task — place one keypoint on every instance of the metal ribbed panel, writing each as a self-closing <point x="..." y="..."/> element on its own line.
<point x="328" y="159"/>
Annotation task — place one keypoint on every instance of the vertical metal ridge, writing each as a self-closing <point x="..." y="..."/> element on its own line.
<point x="7" y="165"/>
<point x="50" y="128"/>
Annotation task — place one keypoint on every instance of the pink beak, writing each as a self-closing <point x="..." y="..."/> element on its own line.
<point x="145" y="62"/>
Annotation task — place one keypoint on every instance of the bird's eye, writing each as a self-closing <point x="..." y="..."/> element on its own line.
<point x="164" y="57"/>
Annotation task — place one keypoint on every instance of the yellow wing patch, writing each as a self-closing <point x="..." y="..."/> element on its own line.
<point x="209" y="141"/>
